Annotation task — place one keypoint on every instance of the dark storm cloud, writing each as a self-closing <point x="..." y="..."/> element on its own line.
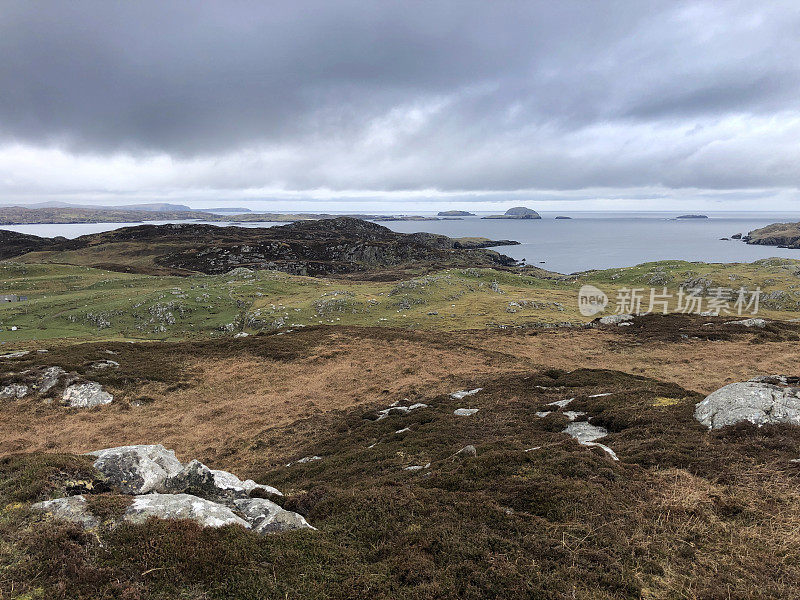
<point x="412" y="95"/>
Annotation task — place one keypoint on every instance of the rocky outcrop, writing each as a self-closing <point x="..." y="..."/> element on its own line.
<point x="182" y="506"/>
<point x="138" y="469"/>
<point x="166" y="489"/>
<point x="86" y="395"/>
<point x="760" y="401"/>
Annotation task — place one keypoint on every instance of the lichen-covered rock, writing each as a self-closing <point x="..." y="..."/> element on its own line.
<point x="49" y="379"/>
<point x="73" y="509"/>
<point x="756" y="401"/>
<point x="86" y="395"/>
<point x="267" y="517"/>
<point x="137" y="469"/>
<point x="229" y="481"/>
<point x="13" y="391"/>
<point x="182" y="506"/>
<point x="197" y="479"/>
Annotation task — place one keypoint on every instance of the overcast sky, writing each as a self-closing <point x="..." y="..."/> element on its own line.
<point x="402" y="105"/>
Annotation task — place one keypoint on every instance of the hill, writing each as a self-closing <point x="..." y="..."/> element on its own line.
<point x="328" y="246"/>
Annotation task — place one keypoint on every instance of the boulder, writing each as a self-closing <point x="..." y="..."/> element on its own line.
<point x="182" y="506"/>
<point x="13" y="391"/>
<point x="266" y="517"/>
<point x="197" y="479"/>
<point x="86" y="395"/>
<point x="467" y="451"/>
<point x="465" y="412"/>
<point x="615" y="319"/>
<point x="760" y="323"/>
<point x="73" y="509"/>
<point x="760" y="401"/>
<point x="49" y="378"/>
<point x="464" y="393"/>
<point x="137" y="469"/>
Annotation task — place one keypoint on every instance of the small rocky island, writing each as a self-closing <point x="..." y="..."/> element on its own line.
<point x="518" y="212"/>
<point x="562" y="217"/>
<point x="454" y="213"/>
<point x="692" y="217"/>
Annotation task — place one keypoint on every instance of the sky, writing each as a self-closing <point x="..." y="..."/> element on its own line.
<point x="398" y="106"/>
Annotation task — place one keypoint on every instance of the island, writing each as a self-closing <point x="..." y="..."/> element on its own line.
<point x="692" y="217"/>
<point x="454" y="213"/>
<point x="562" y="217"/>
<point x="518" y="212"/>
<point x="783" y="235"/>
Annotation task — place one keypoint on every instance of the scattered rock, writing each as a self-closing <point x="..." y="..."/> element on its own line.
<point x="465" y="412"/>
<point x="19" y="354"/>
<point x="464" y="393"/>
<point x="182" y="506"/>
<point x="561" y="403"/>
<point x="754" y="401"/>
<point x="86" y="395"/>
<point x="73" y="509"/>
<point x="615" y="319"/>
<point x="241" y="334"/>
<point x="417" y="467"/>
<point x="137" y="469"/>
<point x="760" y="323"/>
<point x="584" y="432"/>
<point x="573" y="414"/>
<point x="543" y="413"/>
<point x="467" y="451"/>
<point x="304" y="460"/>
<point x="399" y="410"/>
<point x="105" y="364"/>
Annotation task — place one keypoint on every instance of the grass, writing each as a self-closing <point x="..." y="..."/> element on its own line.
<point x="85" y="303"/>
<point x="684" y="514"/>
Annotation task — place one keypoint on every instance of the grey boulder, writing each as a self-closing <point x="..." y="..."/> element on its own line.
<point x="267" y="517"/>
<point x="73" y="509"/>
<point x="762" y="401"/>
<point x="86" y="395"/>
<point x="13" y="391"/>
<point x="49" y="378"/>
<point x="197" y="479"/>
<point x="181" y="506"/>
<point x="137" y="469"/>
<point x="615" y="319"/>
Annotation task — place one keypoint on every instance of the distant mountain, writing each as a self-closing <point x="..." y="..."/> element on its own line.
<point x="225" y="209"/>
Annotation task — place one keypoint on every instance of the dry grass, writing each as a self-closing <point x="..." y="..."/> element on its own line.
<point x="231" y="400"/>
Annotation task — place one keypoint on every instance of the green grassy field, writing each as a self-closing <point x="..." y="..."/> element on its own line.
<point x="84" y="303"/>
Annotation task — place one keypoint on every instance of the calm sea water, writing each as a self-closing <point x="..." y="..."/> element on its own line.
<point x="586" y="241"/>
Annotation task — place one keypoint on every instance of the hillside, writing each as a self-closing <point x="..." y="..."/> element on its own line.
<point x="399" y="511"/>
<point x="323" y="247"/>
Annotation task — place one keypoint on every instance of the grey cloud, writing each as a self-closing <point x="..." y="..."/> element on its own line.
<point x="536" y="95"/>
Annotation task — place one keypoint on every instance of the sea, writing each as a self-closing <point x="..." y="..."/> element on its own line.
<point x="587" y="240"/>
